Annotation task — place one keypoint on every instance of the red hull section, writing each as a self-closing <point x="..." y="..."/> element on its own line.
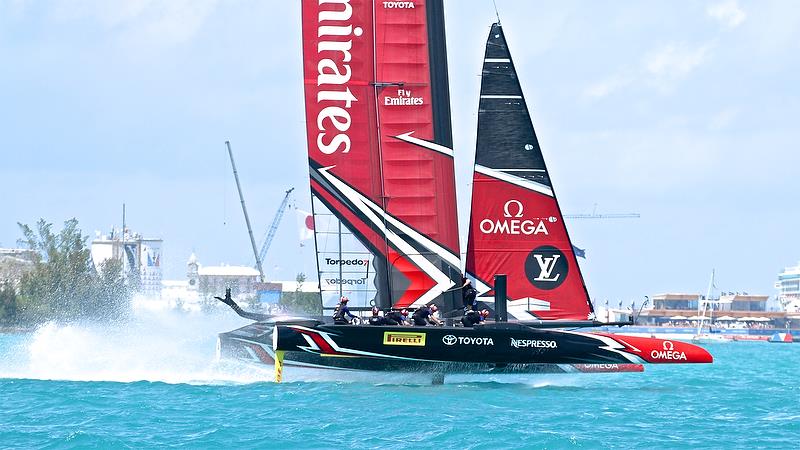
<point x="662" y="351"/>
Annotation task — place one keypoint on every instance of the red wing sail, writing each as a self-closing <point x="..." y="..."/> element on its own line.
<point x="382" y="178"/>
<point x="516" y="226"/>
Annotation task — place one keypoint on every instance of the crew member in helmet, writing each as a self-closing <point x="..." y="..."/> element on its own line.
<point x="472" y="318"/>
<point x="377" y="318"/>
<point x="424" y="316"/>
<point x="395" y="317"/>
<point x="342" y="314"/>
<point x="468" y="294"/>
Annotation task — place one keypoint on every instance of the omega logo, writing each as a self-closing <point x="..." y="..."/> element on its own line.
<point x="507" y="208"/>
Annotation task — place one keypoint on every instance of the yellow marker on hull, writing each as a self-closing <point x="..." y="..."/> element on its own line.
<point x="279" y="366"/>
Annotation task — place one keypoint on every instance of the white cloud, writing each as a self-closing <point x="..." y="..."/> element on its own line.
<point x="675" y="61"/>
<point x="723" y="118"/>
<point x="605" y="87"/>
<point x="149" y="21"/>
<point x="727" y="12"/>
<point x="660" y="68"/>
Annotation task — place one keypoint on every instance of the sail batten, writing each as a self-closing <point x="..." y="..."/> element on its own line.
<point x="516" y="226"/>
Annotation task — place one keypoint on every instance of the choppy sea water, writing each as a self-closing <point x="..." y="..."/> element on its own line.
<point x="155" y="382"/>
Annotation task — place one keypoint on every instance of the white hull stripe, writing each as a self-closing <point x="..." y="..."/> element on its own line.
<point x="423" y="143"/>
<point x="286" y="362"/>
<point x="521" y="182"/>
<point x="325" y="336"/>
<point x="611" y="345"/>
<point x="496" y="60"/>
<point x="502" y="96"/>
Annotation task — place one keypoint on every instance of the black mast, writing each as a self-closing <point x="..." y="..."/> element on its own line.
<point x="440" y="102"/>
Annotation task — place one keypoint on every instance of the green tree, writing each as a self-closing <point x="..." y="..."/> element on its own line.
<point x="63" y="284"/>
<point x="302" y="302"/>
<point x="8" y="304"/>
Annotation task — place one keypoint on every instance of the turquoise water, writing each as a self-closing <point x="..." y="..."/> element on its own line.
<point x="156" y="384"/>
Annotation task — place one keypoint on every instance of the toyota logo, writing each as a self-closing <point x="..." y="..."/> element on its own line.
<point x="449" y="339"/>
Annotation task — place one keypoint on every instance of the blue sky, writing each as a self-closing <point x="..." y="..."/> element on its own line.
<point x="685" y="112"/>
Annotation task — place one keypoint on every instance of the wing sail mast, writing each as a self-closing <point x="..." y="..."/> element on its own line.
<point x="381" y="167"/>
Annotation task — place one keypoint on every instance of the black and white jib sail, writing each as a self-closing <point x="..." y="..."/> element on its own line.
<point x="516" y="226"/>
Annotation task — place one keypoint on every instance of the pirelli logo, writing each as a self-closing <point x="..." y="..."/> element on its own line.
<point x="404" y="338"/>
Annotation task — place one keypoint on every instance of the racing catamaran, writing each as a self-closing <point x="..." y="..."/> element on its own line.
<point x="386" y="233"/>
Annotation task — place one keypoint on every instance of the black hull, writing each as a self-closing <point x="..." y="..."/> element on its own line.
<point x="478" y="352"/>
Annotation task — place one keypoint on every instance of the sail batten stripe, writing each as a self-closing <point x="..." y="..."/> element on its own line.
<point x="501" y="96"/>
<point x="426" y="144"/>
<point x="521" y="182"/>
<point x="522" y="170"/>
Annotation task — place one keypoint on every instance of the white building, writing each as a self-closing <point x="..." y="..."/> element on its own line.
<point x="241" y="280"/>
<point x="788" y="286"/>
<point x="15" y="262"/>
<point x="140" y="257"/>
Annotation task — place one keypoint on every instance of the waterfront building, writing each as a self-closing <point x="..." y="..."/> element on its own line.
<point x="675" y="302"/>
<point x="202" y="283"/>
<point x="141" y="258"/>
<point x="15" y="262"/>
<point x="213" y="280"/>
<point x="788" y="286"/>
<point x="733" y="306"/>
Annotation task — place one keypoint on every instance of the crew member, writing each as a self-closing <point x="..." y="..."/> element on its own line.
<point x="395" y="317"/>
<point x="342" y="314"/>
<point x="424" y="316"/>
<point x="468" y="294"/>
<point x="376" y="318"/>
<point x="472" y="318"/>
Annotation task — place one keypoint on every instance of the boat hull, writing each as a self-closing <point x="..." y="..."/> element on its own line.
<point x="503" y="348"/>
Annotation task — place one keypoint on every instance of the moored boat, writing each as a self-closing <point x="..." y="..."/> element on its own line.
<point x="781" y="338"/>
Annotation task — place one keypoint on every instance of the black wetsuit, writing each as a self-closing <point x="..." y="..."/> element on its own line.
<point x="339" y="314"/>
<point x="422" y="316"/>
<point x="378" y="320"/>
<point x="394" y="318"/>
<point x="471" y="318"/>
<point x="469" y="293"/>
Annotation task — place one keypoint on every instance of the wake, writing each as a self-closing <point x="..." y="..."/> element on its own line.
<point x="181" y="348"/>
<point x="159" y="346"/>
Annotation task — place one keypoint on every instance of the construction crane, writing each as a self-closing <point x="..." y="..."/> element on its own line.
<point x="274" y="227"/>
<point x="244" y="210"/>
<point x="581" y="253"/>
<point x="595" y="215"/>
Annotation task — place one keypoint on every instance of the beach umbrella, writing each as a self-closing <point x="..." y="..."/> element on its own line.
<point x="696" y="318"/>
<point x="725" y="318"/>
<point x="745" y="319"/>
<point x="678" y="317"/>
<point x="761" y="319"/>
